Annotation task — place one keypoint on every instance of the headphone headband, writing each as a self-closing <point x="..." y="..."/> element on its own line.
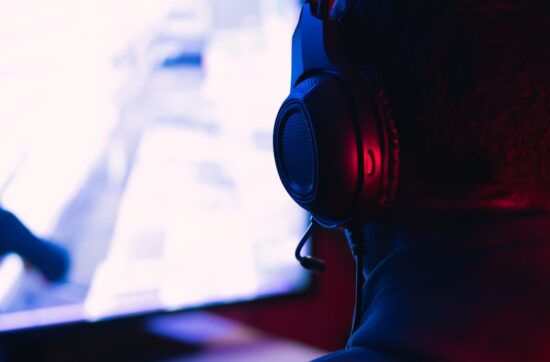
<point x="330" y="9"/>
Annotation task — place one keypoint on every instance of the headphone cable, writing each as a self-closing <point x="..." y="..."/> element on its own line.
<point x="356" y="240"/>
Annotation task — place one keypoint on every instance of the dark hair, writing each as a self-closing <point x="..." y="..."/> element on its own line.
<point x="468" y="81"/>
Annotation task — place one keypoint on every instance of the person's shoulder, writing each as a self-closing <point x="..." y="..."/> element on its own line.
<point x="362" y="354"/>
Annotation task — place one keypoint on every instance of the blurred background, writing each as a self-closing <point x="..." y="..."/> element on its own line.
<point x="137" y="136"/>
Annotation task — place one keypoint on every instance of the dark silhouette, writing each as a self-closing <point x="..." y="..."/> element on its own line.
<point x="459" y="270"/>
<point x="50" y="259"/>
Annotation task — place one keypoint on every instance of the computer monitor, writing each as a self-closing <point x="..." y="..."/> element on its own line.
<point x="137" y="135"/>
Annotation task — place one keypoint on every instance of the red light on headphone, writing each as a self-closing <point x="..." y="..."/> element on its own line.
<point x="368" y="162"/>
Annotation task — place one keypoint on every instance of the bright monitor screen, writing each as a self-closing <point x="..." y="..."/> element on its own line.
<point x="137" y="135"/>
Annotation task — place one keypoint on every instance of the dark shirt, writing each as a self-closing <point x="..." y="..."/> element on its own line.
<point x="481" y="293"/>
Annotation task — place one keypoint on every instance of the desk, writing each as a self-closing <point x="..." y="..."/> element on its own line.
<point x="188" y="337"/>
<point x="226" y="340"/>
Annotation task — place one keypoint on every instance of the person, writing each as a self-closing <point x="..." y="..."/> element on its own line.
<point x="460" y="269"/>
<point x="50" y="259"/>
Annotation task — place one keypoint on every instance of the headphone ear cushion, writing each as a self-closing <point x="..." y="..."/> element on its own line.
<point x="390" y="139"/>
<point x="391" y="142"/>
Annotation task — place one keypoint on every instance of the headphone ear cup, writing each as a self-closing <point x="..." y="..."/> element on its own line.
<point x="336" y="149"/>
<point x="316" y="152"/>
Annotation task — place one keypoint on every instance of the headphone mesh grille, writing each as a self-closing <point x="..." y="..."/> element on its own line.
<point x="298" y="154"/>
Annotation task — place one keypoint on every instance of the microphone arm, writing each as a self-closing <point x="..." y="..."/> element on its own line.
<point x="312" y="264"/>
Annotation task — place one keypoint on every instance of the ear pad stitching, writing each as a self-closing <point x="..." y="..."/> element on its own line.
<point x="386" y="123"/>
<point x="391" y="179"/>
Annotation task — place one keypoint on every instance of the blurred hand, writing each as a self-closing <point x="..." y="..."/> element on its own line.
<point x="50" y="259"/>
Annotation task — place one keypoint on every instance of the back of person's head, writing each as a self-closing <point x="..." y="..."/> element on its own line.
<point x="468" y="81"/>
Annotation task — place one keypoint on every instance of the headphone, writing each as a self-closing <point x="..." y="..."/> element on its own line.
<point x="335" y="141"/>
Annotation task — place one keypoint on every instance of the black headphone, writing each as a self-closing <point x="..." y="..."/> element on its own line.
<point x="335" y="141"/>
